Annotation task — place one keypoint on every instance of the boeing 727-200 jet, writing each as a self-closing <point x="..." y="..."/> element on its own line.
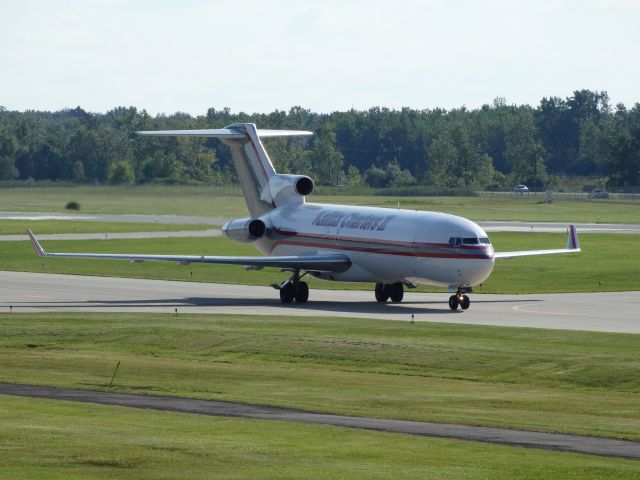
<point x="391" y="248"/>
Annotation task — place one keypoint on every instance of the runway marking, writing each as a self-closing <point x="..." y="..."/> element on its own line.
<point x="521" y="309"/>
<point x="521" y="438"/>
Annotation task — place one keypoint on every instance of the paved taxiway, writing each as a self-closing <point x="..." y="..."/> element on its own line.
<point x="36" y="292"/>
<point x="551" y="441"/>
<point x="488" y="226"/>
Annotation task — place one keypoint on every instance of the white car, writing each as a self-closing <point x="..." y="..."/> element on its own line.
<point x="598" y="193"/>
<point x="521" y="189"/>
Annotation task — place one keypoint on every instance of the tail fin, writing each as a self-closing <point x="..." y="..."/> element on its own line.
<point x="251" y="160"/>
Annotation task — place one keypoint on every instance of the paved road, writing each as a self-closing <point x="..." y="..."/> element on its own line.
<point x="489" y="226"/>
<point x="107" y="217"/>
<point x="216" y="232"/>
<point x="550" y="441"/>
<point x="556" y="227"/>
<point x="33" y="292"/>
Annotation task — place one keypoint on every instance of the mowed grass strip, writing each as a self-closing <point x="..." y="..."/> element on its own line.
<point x="533" y="379"/>
<point x="19" y="227"/>
<point x="63" y="440"/>
<point x="218" y="202"/>
<point x="608" y="262"/>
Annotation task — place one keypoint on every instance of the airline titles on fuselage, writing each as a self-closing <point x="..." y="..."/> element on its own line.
<point x="353" y="221"/>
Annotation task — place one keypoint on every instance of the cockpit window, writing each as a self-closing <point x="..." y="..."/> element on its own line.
<point x="457" y="241"/>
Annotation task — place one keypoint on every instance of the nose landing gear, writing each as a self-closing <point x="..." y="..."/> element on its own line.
<point x="460" y="299"/>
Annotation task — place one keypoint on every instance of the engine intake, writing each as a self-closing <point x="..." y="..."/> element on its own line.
<point x="304" y="186"/>
<point x="245" y="230"/>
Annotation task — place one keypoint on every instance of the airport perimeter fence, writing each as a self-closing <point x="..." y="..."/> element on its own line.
<point x="551" y="195"/>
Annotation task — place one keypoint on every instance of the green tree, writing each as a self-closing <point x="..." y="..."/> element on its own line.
<point x="523" y="153"/>
<point x="353" y="177"/>
<point x="326" y="159"/>
<point x="623" y="160"/>
<point x="8" y="147"/>
<point x="454" y="161"/>
<point x="121" y="173"/>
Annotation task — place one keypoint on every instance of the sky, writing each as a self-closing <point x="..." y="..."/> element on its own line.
<point x="258" y="56"/>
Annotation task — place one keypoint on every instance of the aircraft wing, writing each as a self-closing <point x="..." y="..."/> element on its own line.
<point x="573" y="246"/>
<point x="312" y="263"/>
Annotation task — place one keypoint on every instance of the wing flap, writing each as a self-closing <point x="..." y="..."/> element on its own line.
<point x="332" y="262"/>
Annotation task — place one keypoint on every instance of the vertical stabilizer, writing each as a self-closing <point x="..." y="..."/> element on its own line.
<point x="252" y="163"/>
<point x="253" y="167"/>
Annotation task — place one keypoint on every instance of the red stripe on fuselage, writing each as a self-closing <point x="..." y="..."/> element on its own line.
<point x="381" y="251"/>
<point x="318" y="241"/>
<point x="331" y="242"/>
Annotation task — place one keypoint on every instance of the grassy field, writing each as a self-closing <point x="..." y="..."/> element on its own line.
<point x="607" y="263"/>
<point x="546" y="380"/>
<point x="216" y="201"/>
<point x="63" y="440"/>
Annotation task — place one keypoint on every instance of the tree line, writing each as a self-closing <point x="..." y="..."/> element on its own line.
<point x="493" y="147"/>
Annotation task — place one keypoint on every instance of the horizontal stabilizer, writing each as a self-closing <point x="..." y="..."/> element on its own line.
<point x="232" y="131"/>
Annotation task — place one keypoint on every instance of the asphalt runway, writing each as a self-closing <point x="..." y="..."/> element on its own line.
<point x="38" y="292"/>
<point x="550" y="441"/>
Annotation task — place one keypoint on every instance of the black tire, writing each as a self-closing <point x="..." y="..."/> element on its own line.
<point x="287" y="293"/>
<point x="453" y="302"/>
<point x="397" y="292"/>
<point x="465" y="302"/>
<point x="302" y="293"/>
<point x="382" y="293"/>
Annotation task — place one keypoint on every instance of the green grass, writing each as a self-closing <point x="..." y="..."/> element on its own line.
<point x="151" y="199"/>
<point x="534" y="379"/>
<point x="216" y="201"/>
<point x="64" y="440"/>
<point x="607" y="263"/>
<point x="18" y="227"/>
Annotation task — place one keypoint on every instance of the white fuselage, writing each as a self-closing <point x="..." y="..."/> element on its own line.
<point x="384" y="245"/>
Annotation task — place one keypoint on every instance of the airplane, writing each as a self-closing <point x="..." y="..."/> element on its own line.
<point x="391" y="248"/>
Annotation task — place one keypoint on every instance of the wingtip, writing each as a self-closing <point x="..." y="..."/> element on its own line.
<point x="573" y="243"/>
<point x="36" y="244"/>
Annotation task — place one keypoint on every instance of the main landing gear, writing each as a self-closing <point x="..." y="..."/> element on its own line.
<point x="459" y="299"/>
<point x="293" y="289"/>
<point x="386" y="291"/>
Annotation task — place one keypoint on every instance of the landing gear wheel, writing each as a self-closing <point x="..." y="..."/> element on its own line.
<point x="453" y="302"/>
<point x="397" y="292"/>
<point x="287" y="293"/>
<point x="302" y="292"/>
<point x="382" y="292"/>
<point x="464" y="302"/>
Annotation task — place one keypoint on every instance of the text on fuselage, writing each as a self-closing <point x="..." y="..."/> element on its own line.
<point x="355" y="221"/>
